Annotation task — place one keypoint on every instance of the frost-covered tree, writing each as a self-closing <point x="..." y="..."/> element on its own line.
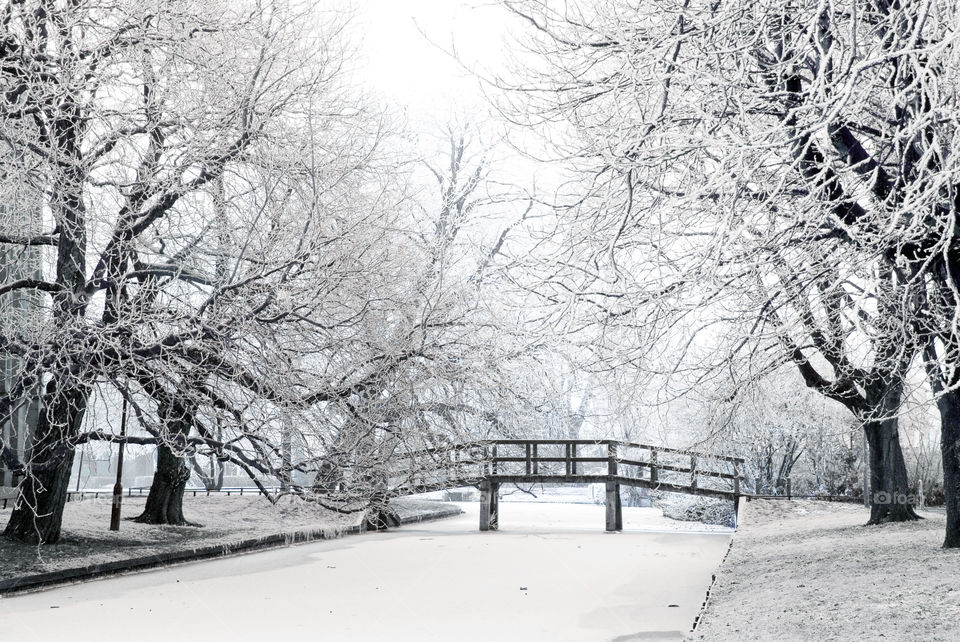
<point x="768" y="125"/>
<point x="201" y="175"/>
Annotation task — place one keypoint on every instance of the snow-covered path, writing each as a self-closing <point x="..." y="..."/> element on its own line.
<point x="550" y="573"/>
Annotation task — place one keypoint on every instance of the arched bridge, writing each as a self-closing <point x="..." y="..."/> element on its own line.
<point x="488" y="464"/>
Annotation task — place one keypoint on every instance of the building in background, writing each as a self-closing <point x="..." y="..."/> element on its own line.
<point x="21" y="312"/>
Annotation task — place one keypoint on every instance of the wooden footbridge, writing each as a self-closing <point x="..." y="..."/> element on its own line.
<point x="489" y="464"/>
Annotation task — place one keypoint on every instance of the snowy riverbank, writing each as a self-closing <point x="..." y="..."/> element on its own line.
<point x="86" y="541"/>
<point x="804" y="570"/>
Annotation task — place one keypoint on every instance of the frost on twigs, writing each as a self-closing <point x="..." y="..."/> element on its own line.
<point x="214" y="230"/>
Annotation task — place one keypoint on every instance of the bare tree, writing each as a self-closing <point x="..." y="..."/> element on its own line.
<point x="189" y="215"/>
<point x="716" y="138"/>
<point x="839" y="318"/>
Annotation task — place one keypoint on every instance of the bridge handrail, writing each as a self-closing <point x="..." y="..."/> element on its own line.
<point x="469" y="463"/>
<point x="480" y="443"/>
<point x="589" y="460"/>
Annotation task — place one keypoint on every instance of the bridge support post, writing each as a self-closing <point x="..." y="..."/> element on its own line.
<point x="614" y="508"/>
<point x="489" y="505"/>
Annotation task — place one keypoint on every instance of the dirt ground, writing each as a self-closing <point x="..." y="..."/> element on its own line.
<point x="87" y="540"/>
<point x="807" y="570"/>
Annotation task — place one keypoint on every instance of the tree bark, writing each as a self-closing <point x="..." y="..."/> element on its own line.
<point x="890" y="499"/>
<point x="949" y="405"/>
<point x="165" y="501"/>
<point x="212" y="479"/>
<point x="286" y="455"/>
<point x="379" y="515"/>
<point x="329" y="478"/>
<point x="944" y="381"/>
<point x="37" y="516"/>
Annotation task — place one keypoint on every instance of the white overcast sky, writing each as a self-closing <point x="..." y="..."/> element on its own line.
<point x="402" y="65"/>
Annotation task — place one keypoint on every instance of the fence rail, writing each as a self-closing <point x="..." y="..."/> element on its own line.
<point x="140" y="491"/>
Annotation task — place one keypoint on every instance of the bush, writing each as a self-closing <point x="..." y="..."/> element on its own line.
<point x="934" y="496"/>
<point x="688" y="508"/>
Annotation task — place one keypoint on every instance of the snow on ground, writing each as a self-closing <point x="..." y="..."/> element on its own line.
<point x="640" y="519"/>
<point x="550" y="573"/>
<point x="806" y="570"/>
<point x="87" y="540"/>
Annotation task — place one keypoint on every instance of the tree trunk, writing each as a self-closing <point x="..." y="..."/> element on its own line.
<point x="949" y="406"/>
<point x="286" y="455"/>
<point x="329" y="478"/>
<point x="212" y="479"/>
<point x="221" y="469"/>
<point x="890" y="499"/>
<point x="165" y="501"/>
<point x="379" y="515"/>
<point x="38" y="514"/>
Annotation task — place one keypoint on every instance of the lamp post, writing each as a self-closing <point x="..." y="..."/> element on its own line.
<point x="80" y="469"/>
<point x="118" y="487"/>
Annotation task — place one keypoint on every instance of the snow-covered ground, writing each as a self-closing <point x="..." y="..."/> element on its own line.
<point x="87" y="541"/>
<point x="807" y="570"/>
<point x="550" y="573"/>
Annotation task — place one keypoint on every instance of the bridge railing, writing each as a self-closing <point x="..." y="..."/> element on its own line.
<point x="568" y="460"/>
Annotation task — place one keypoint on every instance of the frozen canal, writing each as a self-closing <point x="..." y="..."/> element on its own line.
<point x="550" y="573"/>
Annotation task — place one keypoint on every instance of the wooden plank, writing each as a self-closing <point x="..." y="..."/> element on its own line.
<point x="612" y="500"/>
<point x="683" y="469"/>
<point x="676" y="488"/>
<point x="680" y="451"/>
<point x="702" y="472"/>
<point x="582" y="460"/>
<point x="556" y="442"/>
<point x="619" y="517"/>
<point x="549" y="479"/>
<point x="485" y="505"/>
<point x="582" y="442"/>
<point x="408" y="489"/>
